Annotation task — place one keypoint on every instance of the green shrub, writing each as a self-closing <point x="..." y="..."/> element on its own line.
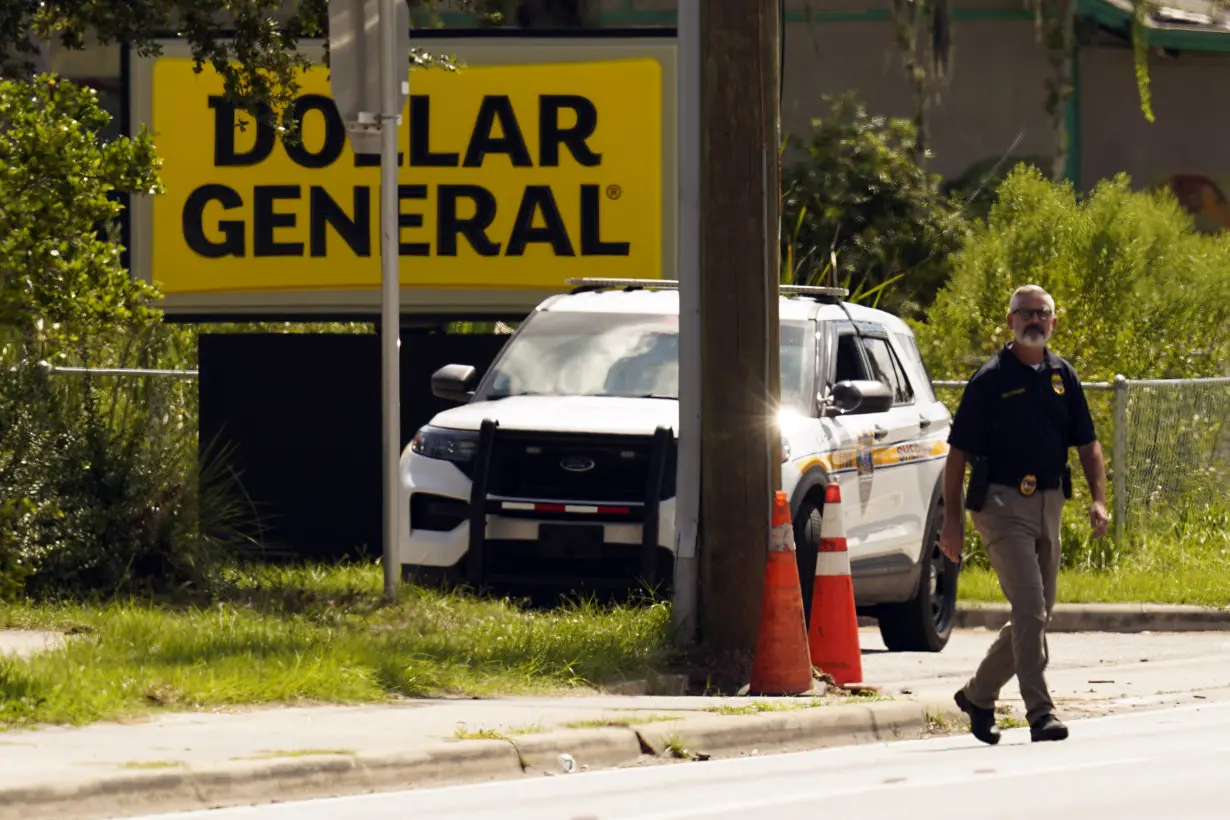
<point x="976" y="186"/>
<point x="17" y="517"/>
<point x="100" y="478"/>
<point x="1139" y="292"/>
<point x="59" y="172"/>
<point x="859" y="192"/>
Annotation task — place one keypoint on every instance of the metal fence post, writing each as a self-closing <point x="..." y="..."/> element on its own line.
<point x="1119" y="458"/>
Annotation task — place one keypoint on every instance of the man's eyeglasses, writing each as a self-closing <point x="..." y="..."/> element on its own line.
<point x="1033" y="313"/>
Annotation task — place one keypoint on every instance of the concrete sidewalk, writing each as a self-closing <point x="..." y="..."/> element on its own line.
<point x="1118" y="618"/>
<point x="195" y="761"/>
<point x="201" y="760"/>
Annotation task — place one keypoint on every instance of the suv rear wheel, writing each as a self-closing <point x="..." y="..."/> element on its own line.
<point x="924" y="623"/>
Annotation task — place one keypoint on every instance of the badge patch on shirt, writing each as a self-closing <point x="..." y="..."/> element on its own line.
<point x="1057" y="383"/>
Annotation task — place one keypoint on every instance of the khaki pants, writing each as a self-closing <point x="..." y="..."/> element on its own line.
<point x="1021" y="535"/>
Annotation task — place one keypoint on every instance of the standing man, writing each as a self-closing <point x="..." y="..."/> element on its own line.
<point x="1020" y="413"/>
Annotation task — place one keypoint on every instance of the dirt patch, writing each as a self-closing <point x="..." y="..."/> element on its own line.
<point x="22" y="643"/>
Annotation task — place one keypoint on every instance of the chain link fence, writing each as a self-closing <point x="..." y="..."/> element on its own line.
<point x="1166" y="442"/>
<point x="169" y="396"/>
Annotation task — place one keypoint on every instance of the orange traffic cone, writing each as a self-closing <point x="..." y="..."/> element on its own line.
<point x="833" y="637"/>
<point x="781" y="664"/>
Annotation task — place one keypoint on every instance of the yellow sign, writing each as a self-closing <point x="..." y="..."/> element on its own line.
<point x="511" y="176"/>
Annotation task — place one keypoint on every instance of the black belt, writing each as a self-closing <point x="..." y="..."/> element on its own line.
<point x="1027" y="483"/>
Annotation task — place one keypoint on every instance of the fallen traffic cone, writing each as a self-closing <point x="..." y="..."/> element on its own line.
<point x="781" y="664"/>
<point x="833" y="638"/>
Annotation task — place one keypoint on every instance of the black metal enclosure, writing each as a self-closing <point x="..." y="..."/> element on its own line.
<point x="300" y="416"/>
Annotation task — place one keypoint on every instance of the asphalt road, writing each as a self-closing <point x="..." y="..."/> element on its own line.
<point x="1163" y="763"/>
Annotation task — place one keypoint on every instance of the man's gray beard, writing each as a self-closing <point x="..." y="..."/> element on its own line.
<point x="1032" y="338"/>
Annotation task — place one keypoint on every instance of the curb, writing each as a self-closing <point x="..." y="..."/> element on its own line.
<point x="256" y="783"/>
<point x="1106" y="618"/>
<point x="819" y="727"/>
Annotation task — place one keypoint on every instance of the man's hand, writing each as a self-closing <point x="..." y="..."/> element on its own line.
<point x="1095" y="473"/>
<point x="952" y="535"/>
<point x="1098" y="519"/>
<point x="952" y="538"/>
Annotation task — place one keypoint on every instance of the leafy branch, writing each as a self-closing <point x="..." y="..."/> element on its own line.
<point x="58" y="178"/>
<point x="254" y="45"/>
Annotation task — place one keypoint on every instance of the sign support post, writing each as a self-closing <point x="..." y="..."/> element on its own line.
<point x="687" y="508"/>
<point x="390" y="307"/>
<point x="370" y="98"/>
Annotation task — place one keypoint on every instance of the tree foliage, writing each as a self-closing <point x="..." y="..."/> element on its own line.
<point x="57" y="177"/>
<point x="248" y="42"/>
<point x="860" y="194"/>
<point x="1139" y="290"/>
<point x="101" y="483"/>
<point x="254" y="45"/>
<point x="59" y="258"/>
<point x="976" y="187"/>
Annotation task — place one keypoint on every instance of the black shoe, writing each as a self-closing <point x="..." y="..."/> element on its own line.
<point x="1047" y="727"/>
<point x="981" y="721"/>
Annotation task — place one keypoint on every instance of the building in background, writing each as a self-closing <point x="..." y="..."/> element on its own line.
<point x="993" y="104"/>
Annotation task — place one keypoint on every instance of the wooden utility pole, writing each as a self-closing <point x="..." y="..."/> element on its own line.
<point x="739" y="253"/>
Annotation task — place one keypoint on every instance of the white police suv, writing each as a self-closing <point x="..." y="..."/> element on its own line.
<point x="558" y="467"/>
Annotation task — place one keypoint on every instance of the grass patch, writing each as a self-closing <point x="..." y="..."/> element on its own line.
<point x="790" y="704"/>
<point x="602" y="723"/>
<point x="674" y="746"/>
<point x="153" y="764"/>
<point x="1011" y="723"/>
<point x="1181" y="556"/>
<point x="1202" y="587"/>
<point x="478" y="734"/>
<point x="494" y="734"/>
<point x="937" y="724"/>
<point x="1177" y="535"/>
<point x="758" y="706"/>
<point x="269" y="755"/>
<point x="316" y="634"/>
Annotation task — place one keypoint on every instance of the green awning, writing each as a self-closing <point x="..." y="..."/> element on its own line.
<point x="1183" y="25"/>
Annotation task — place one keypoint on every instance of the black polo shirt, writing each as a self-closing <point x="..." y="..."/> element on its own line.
<point x="1021" y="419"/>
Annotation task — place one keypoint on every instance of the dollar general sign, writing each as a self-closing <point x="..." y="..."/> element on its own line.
<point x="511" y="176"/>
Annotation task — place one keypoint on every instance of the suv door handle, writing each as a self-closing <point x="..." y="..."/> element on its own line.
<point x="880" y="432"/>
<point x="923" y="422"/>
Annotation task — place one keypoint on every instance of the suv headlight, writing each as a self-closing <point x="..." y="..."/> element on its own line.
<point x="447" y="445"/>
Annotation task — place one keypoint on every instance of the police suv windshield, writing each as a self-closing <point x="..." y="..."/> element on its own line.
<point x="631" y="355"/>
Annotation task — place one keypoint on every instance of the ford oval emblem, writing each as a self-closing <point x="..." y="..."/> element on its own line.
<point x="577" y="464"/>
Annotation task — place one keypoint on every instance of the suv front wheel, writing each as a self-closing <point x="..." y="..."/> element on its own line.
<point x="924" y="623"/>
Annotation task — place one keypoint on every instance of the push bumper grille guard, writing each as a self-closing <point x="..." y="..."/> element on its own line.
<point x="481" y="502"/>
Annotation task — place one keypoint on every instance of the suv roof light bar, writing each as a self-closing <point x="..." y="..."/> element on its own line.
<point x="815" y="290"/>
<point x="581" y="285"/>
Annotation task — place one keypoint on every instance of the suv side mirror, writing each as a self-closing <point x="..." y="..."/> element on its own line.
<point x="454" y="382"/>
<point x="859" y="397"/>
